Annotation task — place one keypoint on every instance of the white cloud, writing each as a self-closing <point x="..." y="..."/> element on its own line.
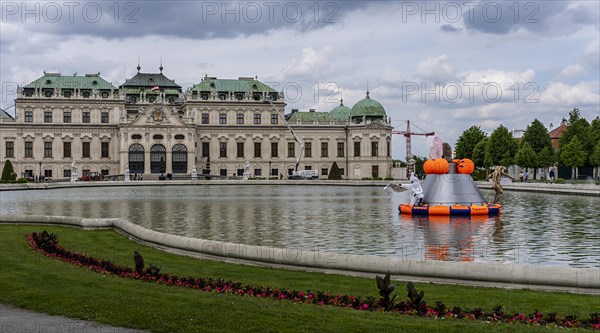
<point x="562" y="95"/>
<point x="312" y="63"/>
<point x="436" y="69"/>
<point x="391" y="75"/>
<point x="591" y="54"/>
<point x="571" y="71"/>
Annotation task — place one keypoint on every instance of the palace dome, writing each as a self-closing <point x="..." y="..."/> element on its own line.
<point x="367" y="107"/>
<point x="341" y="112"/>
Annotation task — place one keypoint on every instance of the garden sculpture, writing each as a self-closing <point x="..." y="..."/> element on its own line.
<point x="496" y="177"/>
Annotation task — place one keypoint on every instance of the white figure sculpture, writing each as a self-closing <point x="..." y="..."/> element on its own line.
<point x="73" y="172"/>
<point x="246" y="170"/>
<point x="436" y="149"/>
<point x="126" y="173"/>
<point x="194" y="173"/>
<point x="417" y="190"/>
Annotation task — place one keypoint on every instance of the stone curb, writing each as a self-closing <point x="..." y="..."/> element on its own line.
<point x="568" y="189"/>
<point x="504" y="273"/>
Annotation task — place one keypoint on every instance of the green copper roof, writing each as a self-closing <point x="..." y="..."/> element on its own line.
<point x="310" y="116"/>
<point x="150" y="80"/>
<point x="367" y="107"/>
<point x="243" y="85"/>
<point x="55" y="80"/>
<point x="340" y="112"/>
<point x="5" y="115"/>
<point x="148" y="91"/>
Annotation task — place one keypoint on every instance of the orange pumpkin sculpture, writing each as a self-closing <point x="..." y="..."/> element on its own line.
<point x="465" y="166"/>
<point x="438" y="166"/>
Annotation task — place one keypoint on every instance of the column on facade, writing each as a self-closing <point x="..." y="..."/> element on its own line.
<point x="123" y="149"/>
<point x="95" y="147"/>
<point x="215" y="153"/>
<point x="123" y="161"/>
<point x="191" y="159"/>
<point x="76" y="150"/>
<point x="147" y="169"/>
<point x="169" y="157"/>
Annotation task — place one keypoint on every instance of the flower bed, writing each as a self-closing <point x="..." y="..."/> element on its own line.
<point x="47" y="244"/>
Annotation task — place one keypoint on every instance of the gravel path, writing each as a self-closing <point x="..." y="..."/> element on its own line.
<point x="14" y="320"/>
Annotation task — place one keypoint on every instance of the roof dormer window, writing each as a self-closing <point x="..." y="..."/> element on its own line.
<point x="48" y="81"/>
<point x="95" y="83"/>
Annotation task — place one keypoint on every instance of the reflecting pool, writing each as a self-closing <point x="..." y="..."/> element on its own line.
<point x="535" y="228"/>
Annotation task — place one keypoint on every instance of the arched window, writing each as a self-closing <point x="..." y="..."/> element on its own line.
<point x="179" y="163"/>
<point x="136" y="158"/>
<point x="158" y="159"/>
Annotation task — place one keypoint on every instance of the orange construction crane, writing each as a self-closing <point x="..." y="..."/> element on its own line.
<point x="407" y="134"/>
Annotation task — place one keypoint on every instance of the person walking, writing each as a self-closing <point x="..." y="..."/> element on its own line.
<point x="551" y="175"/>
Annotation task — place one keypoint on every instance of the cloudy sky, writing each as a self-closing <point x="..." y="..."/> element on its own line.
<point x="445" y="65"/>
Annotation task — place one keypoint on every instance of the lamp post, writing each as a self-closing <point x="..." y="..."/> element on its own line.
<point x="270" y="171"/>
<point x="40" y="177"/>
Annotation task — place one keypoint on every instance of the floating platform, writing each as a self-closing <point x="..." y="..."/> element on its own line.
<point x="454" y="210"/>
<point x="451" y="194"/>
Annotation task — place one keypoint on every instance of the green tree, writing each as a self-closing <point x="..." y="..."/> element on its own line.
<point x="574" y="115"/>
<point x="335" y="173"/>
<point x="579" y="127"/>
<point x="595" y="130"/>
<point x="546" y="158"/>
<point x="595" y="157"/>
<point x="465" y="145"/>
<point x="8" y="173"/>
<point x="536" y="134"/>
<point x="501" y="147"/>
<point x="526" y="157"/>
<point x="162" y="167"/>
<point x="573" y="154"/>
<point x="479" y="153"/>
<point x="419" y="161"/>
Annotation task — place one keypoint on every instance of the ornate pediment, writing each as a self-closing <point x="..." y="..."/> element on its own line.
<point x="376" y="125"/>
<point x="158" y="114"/>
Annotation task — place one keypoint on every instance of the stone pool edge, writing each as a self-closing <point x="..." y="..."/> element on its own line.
<point x="503" y="275"/>
<point x="569" y="189"/>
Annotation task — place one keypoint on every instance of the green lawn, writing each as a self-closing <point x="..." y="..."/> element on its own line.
<point x="33" y="281"/>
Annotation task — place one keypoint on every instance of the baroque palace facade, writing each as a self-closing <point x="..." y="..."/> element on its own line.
<point x="149" y="124"/>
